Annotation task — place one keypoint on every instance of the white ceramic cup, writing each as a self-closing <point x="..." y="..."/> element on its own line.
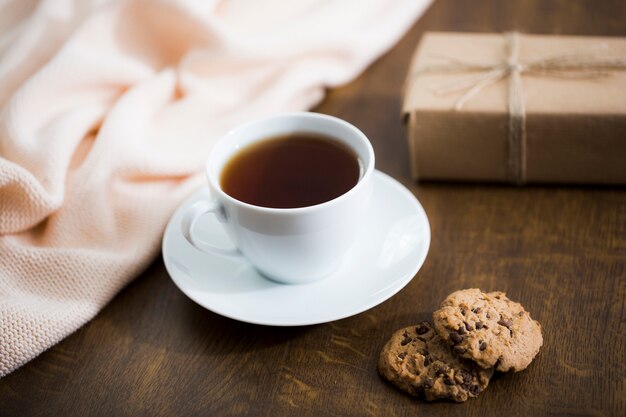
<point x="295" y="245"/>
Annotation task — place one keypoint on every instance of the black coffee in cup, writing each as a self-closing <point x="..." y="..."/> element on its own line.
<point x="296" y="170"/>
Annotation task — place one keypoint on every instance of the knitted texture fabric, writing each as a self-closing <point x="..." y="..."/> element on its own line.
<point x="108" y="110"/>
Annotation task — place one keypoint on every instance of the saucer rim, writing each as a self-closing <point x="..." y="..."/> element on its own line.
<point x="397" y="285"/>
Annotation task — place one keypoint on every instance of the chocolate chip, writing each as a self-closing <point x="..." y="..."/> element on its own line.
<point x="476" y="310"/>
<point x="461" y="330"/>
<point x="475" y="389"/>
<point x="439" y="370"/>
<point x="421" y="329"/>
<point x="482" y="345"/>
<point x="447" y="380"/>
<point x="497" y="297"/>
<point x="424" y="352"/>
<point x="455" y="337"/>
<point x="465" y="375"/>
<point x="463" y="311"/>
<point x="406" y="340"/>
<point x="468" y="327"/>
<point x="421" y="338"/>
<point x="427" y="361"/>
<point x="488" y="316"/>
<point x="479" y="325"/>
<point x="459" y="350"/>
<point x="505" y="322"/>
<point x="427" y="382"/>
<point x="402" y="355"/>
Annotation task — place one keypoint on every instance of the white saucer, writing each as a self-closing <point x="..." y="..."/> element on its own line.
<point x="389" y="252"/>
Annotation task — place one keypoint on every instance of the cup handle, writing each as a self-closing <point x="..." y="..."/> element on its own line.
<point x="188" y="223"/>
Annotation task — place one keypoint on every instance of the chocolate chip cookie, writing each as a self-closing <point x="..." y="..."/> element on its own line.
<point x="489" y="329"/>
<point x="417" y="361"/>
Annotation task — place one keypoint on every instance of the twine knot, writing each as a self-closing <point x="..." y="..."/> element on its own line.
<point x="514" y="67"/>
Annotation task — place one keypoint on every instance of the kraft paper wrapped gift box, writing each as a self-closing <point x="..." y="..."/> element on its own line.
<point x="517" y="108"/>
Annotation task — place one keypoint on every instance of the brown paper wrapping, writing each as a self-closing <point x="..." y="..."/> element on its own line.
<point x="575" y="127"/>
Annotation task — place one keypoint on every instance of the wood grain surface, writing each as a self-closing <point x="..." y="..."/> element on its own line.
<point x="560" y="251"/>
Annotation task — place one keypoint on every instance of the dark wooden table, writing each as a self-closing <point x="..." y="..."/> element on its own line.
<point x="561" y="251"/>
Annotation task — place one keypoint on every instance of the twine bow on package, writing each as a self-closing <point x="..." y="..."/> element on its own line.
<point x="517" y="108"/>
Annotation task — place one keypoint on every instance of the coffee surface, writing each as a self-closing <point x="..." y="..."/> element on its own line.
<point x="296" y="170"/>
